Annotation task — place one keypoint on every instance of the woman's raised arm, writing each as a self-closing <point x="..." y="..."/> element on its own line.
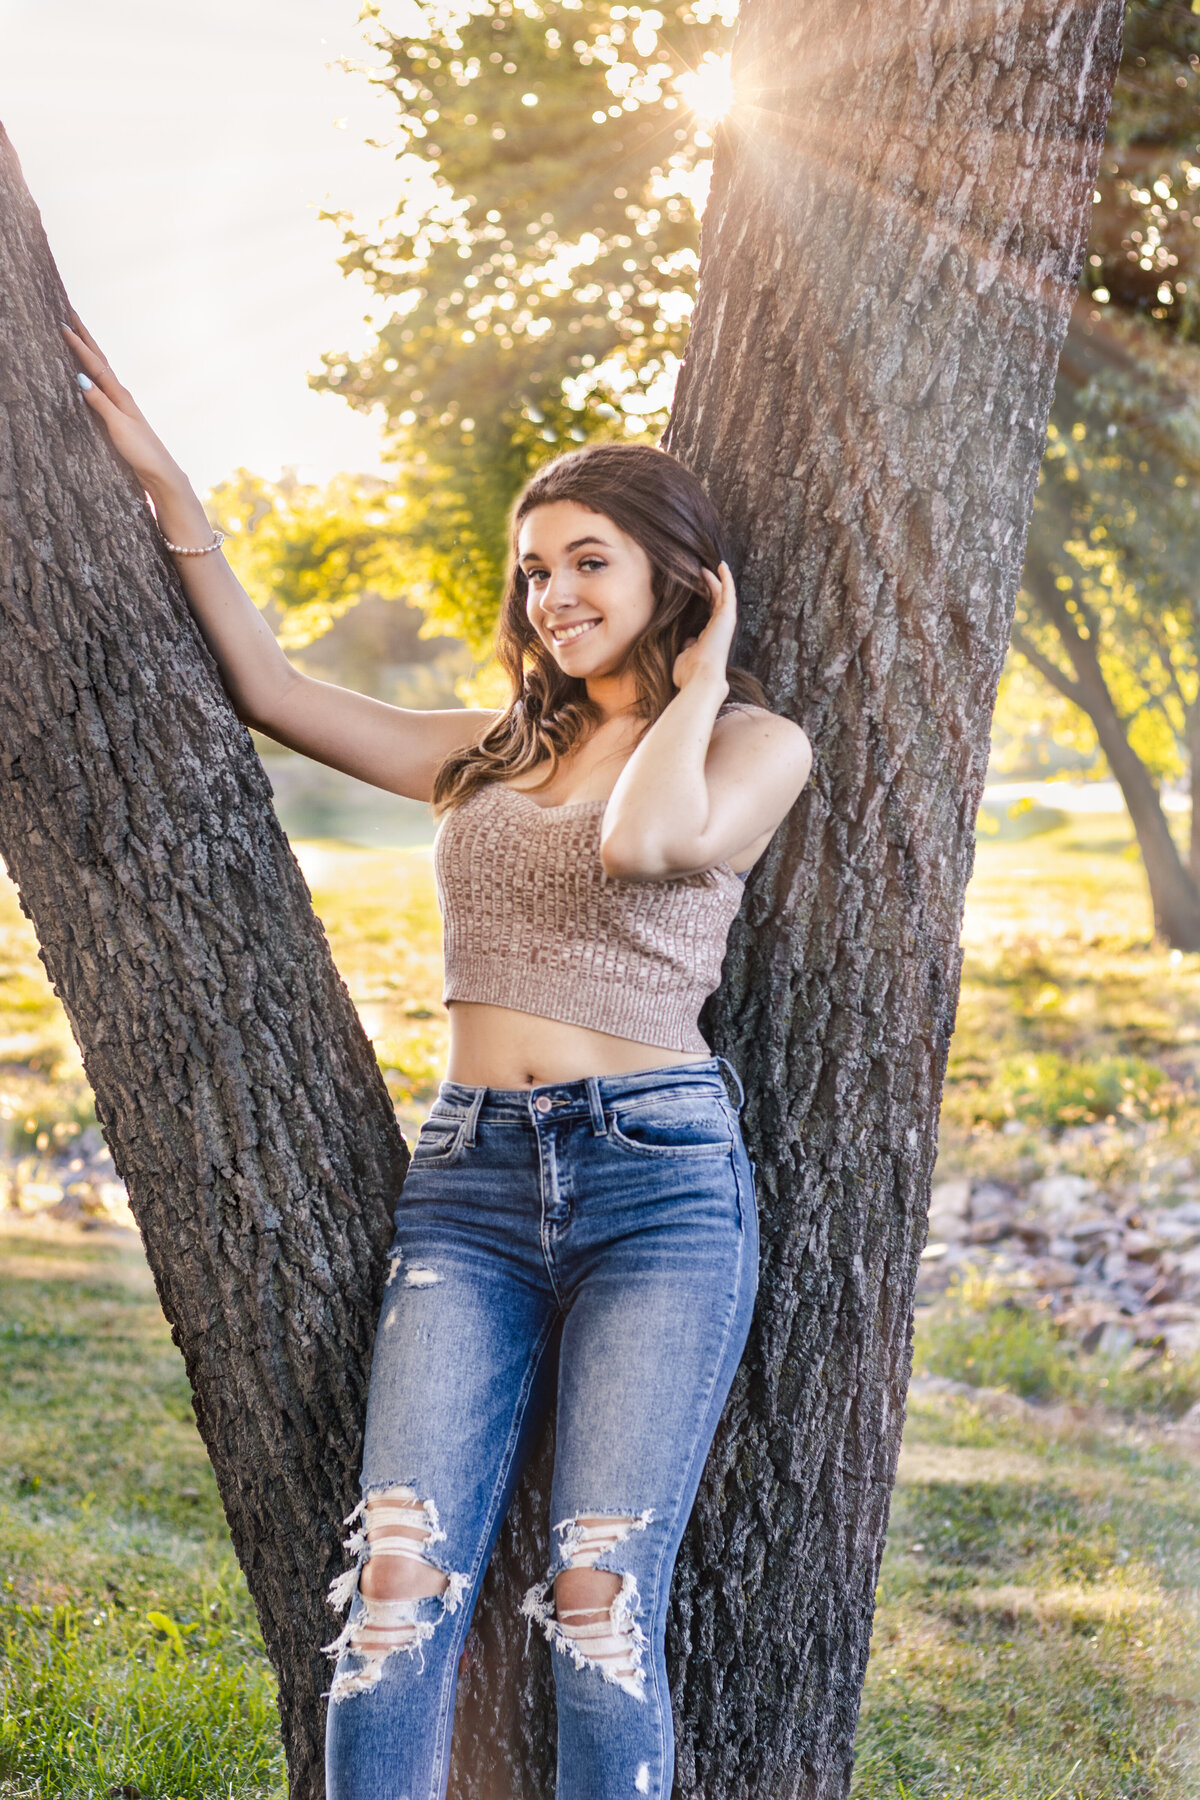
<point x="696" y="792"/>
<point x="389" y="746"/>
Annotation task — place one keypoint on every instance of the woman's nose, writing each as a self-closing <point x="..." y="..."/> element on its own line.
<point x="558" y="595"/>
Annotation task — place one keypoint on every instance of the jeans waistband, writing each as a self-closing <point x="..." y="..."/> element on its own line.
<point x="567" y="1099"/>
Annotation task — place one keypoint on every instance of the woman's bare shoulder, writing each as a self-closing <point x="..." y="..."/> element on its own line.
<point x="750" y="732"/>
<point x="743" y="713"/>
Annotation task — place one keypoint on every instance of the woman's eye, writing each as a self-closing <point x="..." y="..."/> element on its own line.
<point x="591" y="563"/>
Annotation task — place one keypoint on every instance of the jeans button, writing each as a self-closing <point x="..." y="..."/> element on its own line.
<point x="543" y="1103"/>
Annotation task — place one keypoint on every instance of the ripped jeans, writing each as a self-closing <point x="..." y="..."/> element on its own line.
<point x="590" y="1245"/>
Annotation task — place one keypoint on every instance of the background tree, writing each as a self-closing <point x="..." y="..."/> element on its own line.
<point x="1107" y="614"/>
<point x="311" y="553"/>
<point x="334" y="571"/>
<point x="895" y="234"/>
<point x="542" y="263"/>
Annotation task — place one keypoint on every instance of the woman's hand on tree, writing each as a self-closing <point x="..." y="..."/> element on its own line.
<point x="706" y="657"/>
<point x="131" y="436"/>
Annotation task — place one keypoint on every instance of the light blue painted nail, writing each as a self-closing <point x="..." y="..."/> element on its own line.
<point x="83" y="381"/>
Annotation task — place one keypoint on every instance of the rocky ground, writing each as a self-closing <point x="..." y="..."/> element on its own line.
<point x="73" y="1181"/>
<point x="1117" y="1267"/>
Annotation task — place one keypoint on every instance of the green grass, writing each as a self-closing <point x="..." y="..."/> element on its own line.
<point x="379" y="909"/>
<point x="982" y="1334"/>
<point x="42" y="1084"/>
<point x="131" y="1656"/>
<point x="1071" y="1016"/>
<point x="1036" y="1633"/>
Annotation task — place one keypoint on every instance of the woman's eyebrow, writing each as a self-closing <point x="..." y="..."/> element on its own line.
<point x="575" y="544"/>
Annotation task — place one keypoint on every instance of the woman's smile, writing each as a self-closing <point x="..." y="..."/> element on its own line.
<point x="566" y="634"/>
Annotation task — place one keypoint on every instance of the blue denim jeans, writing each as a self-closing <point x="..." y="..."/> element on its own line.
<point x="591" y="1245"/>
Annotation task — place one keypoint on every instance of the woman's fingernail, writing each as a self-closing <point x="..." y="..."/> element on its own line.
<point x="83" y="381"/>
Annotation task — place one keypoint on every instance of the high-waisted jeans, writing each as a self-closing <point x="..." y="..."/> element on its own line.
<point x="591" y="1244"/>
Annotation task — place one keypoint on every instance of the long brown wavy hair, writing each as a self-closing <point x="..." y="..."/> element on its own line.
<point x="654" y="499"/>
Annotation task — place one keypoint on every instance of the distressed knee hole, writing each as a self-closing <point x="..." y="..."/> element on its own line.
<point x="392" y="1581"/>
<point x="584" y="1606"/>
<point x="398" y="1527"/>
<point x="593" y="1617"/>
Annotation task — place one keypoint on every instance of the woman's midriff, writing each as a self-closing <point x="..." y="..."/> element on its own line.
<point x="494" y="1046"/>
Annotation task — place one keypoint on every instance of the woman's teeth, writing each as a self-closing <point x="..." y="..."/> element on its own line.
<point x="573" y="631"/>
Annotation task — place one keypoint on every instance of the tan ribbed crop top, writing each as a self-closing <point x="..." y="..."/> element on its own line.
<point x="531" y="921"/>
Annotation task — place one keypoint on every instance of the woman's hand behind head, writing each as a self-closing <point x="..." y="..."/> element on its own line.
<point x="705" y="658"/>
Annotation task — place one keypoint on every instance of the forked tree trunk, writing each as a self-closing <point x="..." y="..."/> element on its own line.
<point x="890" y="251"/>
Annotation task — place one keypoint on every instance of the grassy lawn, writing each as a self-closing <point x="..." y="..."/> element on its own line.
<point x="1037" y="1631"/>
<point x="131" y="1655"/>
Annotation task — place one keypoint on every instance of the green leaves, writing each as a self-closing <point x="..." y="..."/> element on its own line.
<point x="316" y="551"/>
<point x="1144" y="256"/>
<point x="1113" y="542"/>
<point x="534" y="284"/>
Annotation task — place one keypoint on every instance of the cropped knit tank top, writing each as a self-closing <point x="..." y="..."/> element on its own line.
<point x="531" y="921"/>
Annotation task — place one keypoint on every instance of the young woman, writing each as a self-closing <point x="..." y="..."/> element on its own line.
<point x="577" y="1226"/>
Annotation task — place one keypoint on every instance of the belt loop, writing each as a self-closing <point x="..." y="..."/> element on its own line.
<point x="472" y="1117"/>
<point x="595" y="1106"/>
<point x="741" y="1092"/>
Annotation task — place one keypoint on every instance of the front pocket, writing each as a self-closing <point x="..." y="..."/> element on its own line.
<point x="438" y="1141"/>
<point x="680" y="1130"/>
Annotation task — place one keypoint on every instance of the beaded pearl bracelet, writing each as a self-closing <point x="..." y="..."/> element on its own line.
<point x="183" y="549"/>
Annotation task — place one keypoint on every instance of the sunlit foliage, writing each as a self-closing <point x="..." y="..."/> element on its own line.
<point x="534" y="284"/>
<point x="1112" y="554"/>
<point x="1144" y="254"/>
<point x="1037" y="733"/>
<point x="316" y="551"/>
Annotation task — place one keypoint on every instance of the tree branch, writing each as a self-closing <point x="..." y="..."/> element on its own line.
<point x="1058" y="678"/>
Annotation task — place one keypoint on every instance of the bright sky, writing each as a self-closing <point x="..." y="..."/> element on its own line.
<point x="179" y="151"/>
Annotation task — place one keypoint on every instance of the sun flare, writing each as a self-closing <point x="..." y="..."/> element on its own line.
<point x="708" y="89"/>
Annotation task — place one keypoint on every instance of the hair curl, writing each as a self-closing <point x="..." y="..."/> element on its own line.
<point x="652" y="497"/>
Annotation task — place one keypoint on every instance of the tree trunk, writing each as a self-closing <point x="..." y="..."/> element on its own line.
<point x="241" y="1100"/>
<point x="889" y="259"/>
<point x="890" y="251"/>
<point x="1174" y="895"/>
<point x="1094" y="349"/>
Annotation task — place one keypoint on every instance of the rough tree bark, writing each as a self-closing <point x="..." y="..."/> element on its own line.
<point x="238" y="1093"/>
<point x="890" y="252"/>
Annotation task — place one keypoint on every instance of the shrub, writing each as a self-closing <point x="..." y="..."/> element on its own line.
<point x="1042" y="1088"/>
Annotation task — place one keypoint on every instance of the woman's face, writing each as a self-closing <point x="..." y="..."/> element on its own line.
<point x="590" y="587"/>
